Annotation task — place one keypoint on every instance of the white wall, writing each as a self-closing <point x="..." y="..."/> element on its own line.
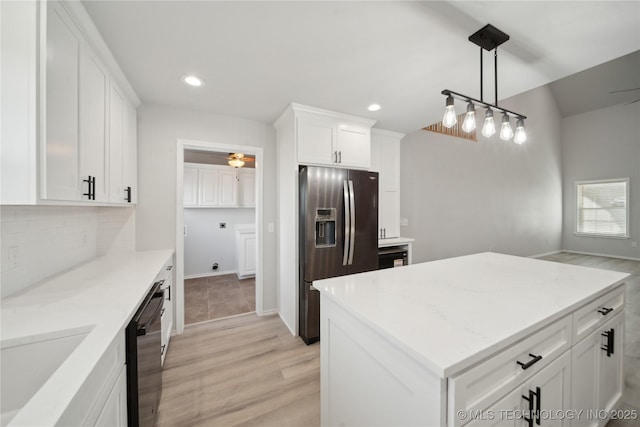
<point x="462" y="197"/>
<point x="602" y="144"/>
<point x="51" y="239"/>
<point x="206" y="243"/>
<point x="159" y="128"/>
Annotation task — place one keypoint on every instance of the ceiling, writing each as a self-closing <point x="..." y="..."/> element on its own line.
<point x="215" y="158"/>
<point x="257" y="57"/>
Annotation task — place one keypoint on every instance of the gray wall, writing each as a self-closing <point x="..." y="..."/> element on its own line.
<point x="206" y="243"/>
<point x="159" y="128"/>
<point x="462" y="197"/>
<point x="597" y="145"/>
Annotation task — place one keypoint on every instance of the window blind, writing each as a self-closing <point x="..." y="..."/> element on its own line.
<point x="602" y="208"/>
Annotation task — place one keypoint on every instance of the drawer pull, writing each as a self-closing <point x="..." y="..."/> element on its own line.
<point x="610" y="334"/>
<point x="530" y="362"/>
<point x="604" y="311"/>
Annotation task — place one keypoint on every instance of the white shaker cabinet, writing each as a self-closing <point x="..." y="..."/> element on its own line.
<point x="326" y="138"/>
<point x="597" y="370"/>
<point x="247" y="187"/>
<point x="246" y="251"/>
<point x="228" y="187"/>
<point x="61" y="161"/>
<point x="385" y="159"/>
<point x="67" y="127"/>
<point x="122" y="148"/>
<point x="94" y="146"/>
<point x="190" y="184"/>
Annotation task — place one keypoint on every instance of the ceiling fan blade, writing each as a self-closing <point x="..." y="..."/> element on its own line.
<point x="625" y="90"/>
<point x="633" y="102"/>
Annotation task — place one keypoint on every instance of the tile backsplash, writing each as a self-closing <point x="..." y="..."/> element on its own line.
<point x="40" y="241"/>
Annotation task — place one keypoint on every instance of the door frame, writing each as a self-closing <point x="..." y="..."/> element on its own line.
<point x="183" y="144"/>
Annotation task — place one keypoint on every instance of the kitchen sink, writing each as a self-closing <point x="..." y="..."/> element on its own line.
<point x="27" y="364"/>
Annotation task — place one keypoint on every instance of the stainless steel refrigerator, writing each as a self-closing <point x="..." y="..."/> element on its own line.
<point x="338" y="233"/>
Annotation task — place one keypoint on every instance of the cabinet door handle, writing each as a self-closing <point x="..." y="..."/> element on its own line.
<point x="162" y="349"/>
<point x="530" y="362"/>
<point x="128" y="197"/>
<point x="90" y="188"/>
<point x="335" y="157"/>
<point x="339" y="156"/>
<point x="162" y="312"/>
<point x="604" y="311"/>
<point x="529" y="399"/>
<point x="169" y="289"/>
<point x="610" y="334"/>
<point x="538" y="395"/>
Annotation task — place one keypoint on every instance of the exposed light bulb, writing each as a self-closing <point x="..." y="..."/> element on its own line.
<point x="469" y="122"/>
<point x="450" y="117"/>
<point x="521" y="136"/>
<point x="374" y="107"/>
<point x="489" y="128"/>
<point x="505" y="129"/>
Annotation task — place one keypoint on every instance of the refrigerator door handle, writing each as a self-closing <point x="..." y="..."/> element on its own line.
<point x="352" y="233"/>
<point x="347" y="226"/>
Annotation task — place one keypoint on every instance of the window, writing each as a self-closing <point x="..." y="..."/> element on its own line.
<point x="603" y="208"/>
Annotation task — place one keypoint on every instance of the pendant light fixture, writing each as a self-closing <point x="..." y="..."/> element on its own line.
<point x="488" y="38"/>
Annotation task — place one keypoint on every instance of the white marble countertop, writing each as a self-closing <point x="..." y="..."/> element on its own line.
<point x="101" y="296"/>
<point x="452" y="313"/>
<point x="393" y="241"/>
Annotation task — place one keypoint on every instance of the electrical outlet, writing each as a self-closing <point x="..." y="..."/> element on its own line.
<point x="634" y="244"/>
<point x="270" y="227"/>
<point x="404" y="222"/>
<point x="223" y="225"/>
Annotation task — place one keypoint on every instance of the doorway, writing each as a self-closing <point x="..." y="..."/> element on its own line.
<point x="212" y="281"/>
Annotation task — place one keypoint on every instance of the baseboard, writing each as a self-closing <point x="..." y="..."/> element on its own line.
<point x="545" y="254"/>
<point x="602" y="255"/>
<point x="217" y="273"/>
<point x="293" y="332"/>
<point x="271" y="312"/>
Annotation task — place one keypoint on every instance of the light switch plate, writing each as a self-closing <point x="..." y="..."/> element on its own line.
<point x="404" y="222"/>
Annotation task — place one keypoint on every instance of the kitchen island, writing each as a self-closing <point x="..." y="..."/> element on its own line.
<point x="477" y="338"/>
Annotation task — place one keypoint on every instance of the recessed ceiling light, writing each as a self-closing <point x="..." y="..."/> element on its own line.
<point x="192" y="80"/>
<point x="373" y="107"/>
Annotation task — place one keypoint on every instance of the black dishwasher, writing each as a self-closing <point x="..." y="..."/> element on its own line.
<point x="144" y="369"/>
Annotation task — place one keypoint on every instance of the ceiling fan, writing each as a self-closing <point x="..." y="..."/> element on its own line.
<point x="627" y="90"/>
<point x="237" y="160"/>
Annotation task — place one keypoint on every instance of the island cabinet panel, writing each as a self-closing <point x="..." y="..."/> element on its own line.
<point x="597" y="371"/>
<point x="545" y="394"/>
<point x="354" y="358"/>
<point x="477" y="388"/>
<point x="593" y="315"/>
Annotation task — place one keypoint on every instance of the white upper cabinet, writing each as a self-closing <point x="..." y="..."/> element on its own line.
<point x="332" y="139"/>
<point x="71" y="131"/>
<point x="247" y="187"/>
<point x="94" y="146"/>
<point x="61" y="162"/>
<point x="190" y="186"/>
<point x="385" y="159"/>
<point x="218" y="186"/>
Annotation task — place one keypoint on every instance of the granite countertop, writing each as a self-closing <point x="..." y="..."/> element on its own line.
<point x="452" y="313"/>
<point x="99" y="297"/>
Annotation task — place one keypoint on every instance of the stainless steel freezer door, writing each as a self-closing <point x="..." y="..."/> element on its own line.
<point x="365" y="239"/>
<point x="322" y="190"/>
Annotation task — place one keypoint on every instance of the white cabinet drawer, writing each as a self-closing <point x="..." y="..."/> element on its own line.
<point x="593" y="315"/>
<point x="485" y="384"/>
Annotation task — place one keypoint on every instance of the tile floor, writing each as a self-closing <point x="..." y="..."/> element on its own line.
<point x="215" y="297"/>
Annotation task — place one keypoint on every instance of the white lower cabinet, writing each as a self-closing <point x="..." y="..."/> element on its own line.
<point x="114" y="411"/>
<point x="102" y="399"/>
<point x="166" y="319"/>
<point x="246" y="249"/>
<point x="597" y="371"/>
<point x="539" y="401"/>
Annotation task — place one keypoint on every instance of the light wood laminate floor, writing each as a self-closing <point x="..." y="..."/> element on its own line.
<point x="240" y="371"/>
<point x="250" y="371"/>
